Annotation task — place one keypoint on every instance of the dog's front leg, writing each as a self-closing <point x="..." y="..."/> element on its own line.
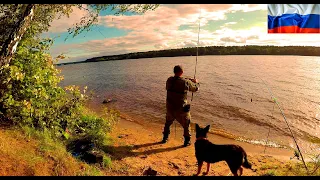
<point x="241" y="170"/>
<point x="208" y="168"/>
<point x="199" y="168"/>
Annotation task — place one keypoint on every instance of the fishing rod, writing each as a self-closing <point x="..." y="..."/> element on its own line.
<point x="195" y="68"/>
<point x="284" y="117"/>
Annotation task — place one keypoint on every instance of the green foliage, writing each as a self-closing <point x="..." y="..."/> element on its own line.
<point x="94" y="127"/>
<point x="314" y="165"/>
<point x="91" y="171"/>
<point x="30" y="95"/>
<point x="299" y="169"/>
<point x="106" y="161"/>
<point x="270" y="173"/>
<point x="48" y="149"/>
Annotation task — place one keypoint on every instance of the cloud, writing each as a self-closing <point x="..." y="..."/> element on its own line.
<point x="239" y="39"/>
<point x="159" y="29"/>
<point x="162" y="46"/>
<point x="167" y="17"/>
<point x="248" y="7"/>
<point x="62" y="24"/>
<point x="235" y="39"/>
<point x="227" y="24"/>
<point x="253" y="37"/>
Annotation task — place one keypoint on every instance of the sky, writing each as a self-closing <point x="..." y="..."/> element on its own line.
<point x="170" y="26"/>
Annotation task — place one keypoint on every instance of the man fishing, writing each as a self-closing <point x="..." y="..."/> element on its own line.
<point x="176" y="103"/>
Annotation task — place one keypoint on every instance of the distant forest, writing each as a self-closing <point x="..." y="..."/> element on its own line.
<point x="214" y="50"/>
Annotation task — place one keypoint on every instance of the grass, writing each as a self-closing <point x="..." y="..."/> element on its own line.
<point x="93" y="171"/>
<point x="270" y="173"/>
<point x="33" y="153"/>
<point x="269" y="166"/>
<point x="290" y="169"/>
<point x="106" y="161"/>
<point x="27" y="151"/>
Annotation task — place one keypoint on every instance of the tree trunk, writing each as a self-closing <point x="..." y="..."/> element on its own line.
<point x="10" y="45"/>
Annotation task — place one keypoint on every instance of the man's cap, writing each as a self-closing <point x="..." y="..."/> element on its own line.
<point x="177" y="69"/>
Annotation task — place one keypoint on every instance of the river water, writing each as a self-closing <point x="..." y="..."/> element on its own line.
<point x="234" y="96"/>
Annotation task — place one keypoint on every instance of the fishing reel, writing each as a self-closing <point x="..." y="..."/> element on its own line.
<point x="186" y="108"/>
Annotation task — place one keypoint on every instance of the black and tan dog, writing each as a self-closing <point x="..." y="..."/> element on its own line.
<point x="234" y="155"/>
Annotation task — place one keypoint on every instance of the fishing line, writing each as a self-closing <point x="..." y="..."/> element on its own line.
<point x="269" y="130"/>
<point x="284" y="117"/>
<point x="195" y="68"/>
<point x="101" y="32"/>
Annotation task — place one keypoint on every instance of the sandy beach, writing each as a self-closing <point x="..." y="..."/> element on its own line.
<point x="136" y="147"/>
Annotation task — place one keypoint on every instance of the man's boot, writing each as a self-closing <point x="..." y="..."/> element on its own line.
<point x="165" y="138"/>
<point x="186" y="141"/>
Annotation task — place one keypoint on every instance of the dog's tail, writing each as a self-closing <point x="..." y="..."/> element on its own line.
<point x="246" y="163"/>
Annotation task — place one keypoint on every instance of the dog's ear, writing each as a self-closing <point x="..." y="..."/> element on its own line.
<point x="207" y="128"/>
<point x="197" y="128"/>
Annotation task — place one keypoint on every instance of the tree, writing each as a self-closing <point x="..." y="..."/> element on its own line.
<point x="17" y="19"/>
<point x="29" y="90"/>
<point x="10" y="44"/>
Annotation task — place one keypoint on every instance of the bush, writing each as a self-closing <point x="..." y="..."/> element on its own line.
<point x="30" y="96"/>
<point x="92" y="127"/>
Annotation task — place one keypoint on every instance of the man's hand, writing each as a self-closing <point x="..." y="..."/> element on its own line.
<point x="194" y="80"/>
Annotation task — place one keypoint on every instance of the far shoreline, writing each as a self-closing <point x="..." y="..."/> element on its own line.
<point x="211" y="51"/>
<point x="82" y="62"/>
